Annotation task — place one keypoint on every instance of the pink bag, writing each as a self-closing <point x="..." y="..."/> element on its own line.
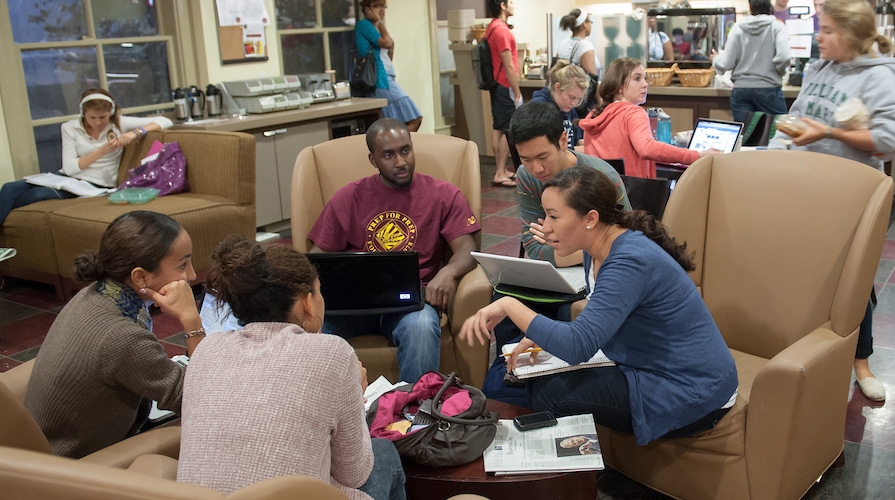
<point x="167" y="172"/>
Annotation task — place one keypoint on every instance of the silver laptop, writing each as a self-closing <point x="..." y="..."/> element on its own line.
<point x="530" y="273"/>
<point x="716" y="134"/>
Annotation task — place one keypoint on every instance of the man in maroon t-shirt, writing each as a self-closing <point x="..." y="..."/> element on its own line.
<point x="397" y="211"/>
<point x="506" y="96"/>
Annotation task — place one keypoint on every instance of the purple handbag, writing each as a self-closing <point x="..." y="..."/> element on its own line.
<point x="167" y="172"/>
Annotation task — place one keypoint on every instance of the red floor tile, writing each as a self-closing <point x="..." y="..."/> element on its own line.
<point x="39" y="296"/>
<point x="25" y="333"/>
<point x="508" y="247"/>
<point x="493" y="206"/>
<point x="888" y="250"/>
<point x="6" y="364"/>
<point x="164" y="325"/>
<point x="500" y="225"/>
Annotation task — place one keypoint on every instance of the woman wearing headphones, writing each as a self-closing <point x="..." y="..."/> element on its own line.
<point x="91" y="149"/>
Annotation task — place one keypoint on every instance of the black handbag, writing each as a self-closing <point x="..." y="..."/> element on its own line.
<point x="446" y="441"/>
<point x="589" y="101"/>
<point x="365" y="75"/>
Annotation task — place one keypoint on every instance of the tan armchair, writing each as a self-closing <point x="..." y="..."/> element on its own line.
<point x="322" y="169"/>
<point x="18" y="429"/>
<point x="787" y="244"/>
<point x="27" y="474"/>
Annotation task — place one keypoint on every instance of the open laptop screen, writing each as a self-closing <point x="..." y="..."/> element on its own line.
<point x="361" y="283"/>
<point x="717" y="134"/>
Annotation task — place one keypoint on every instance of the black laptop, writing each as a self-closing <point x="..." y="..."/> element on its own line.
<point x="362" y="283"/>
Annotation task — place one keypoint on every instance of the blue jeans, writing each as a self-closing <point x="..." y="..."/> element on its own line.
<point x="865" y="334"/>
<point x="602" y="392"/>
<point x="19" y="193"/>
<point x="765" y="99"/>
<point x="386" y="481"/>
<point x="417" y="336"/>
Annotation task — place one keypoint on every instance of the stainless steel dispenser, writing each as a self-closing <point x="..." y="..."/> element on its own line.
<point x="885" y="19"/>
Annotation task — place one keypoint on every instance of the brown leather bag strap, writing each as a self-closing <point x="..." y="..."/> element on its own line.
<point x="489" y="419"/>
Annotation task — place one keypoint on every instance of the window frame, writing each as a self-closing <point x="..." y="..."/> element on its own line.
<point x="318" y="30"/>
<point x="14" y="89"/>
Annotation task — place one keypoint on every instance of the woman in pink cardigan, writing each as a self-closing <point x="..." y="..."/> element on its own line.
<point x="620" y="128"/>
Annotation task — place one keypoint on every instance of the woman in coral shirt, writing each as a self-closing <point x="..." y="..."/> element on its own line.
<point x="620" y="128"/>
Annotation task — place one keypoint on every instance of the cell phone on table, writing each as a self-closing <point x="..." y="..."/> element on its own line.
<point x="534" y="421"/>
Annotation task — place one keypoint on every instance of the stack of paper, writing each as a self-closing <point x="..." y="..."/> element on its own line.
<point x="379" y="387"/>
<point x="571" y="445"/>
<point x="7" y="253"/>
<point x="546" y="363"/>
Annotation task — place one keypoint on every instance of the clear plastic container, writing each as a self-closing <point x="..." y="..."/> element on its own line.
<point x="791" y="125"/>
<point x="653" y="114"/>
<point x="134" y="196"/>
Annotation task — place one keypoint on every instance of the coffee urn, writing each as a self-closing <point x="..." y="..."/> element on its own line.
<point x="885" y="19"/>
<point x="213" y="100"/>
<point x="196" y="98"/>
<point x="181" y="108"/>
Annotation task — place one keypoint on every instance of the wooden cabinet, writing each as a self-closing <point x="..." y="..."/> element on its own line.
<point x="275" y="153"/>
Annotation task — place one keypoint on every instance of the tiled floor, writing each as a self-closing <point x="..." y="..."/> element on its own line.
<point x="27" y="310"/>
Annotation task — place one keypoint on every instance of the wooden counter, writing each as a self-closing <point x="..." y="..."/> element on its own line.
<point x="280" y="136"/>
<point x="685" y="105"/>
<point x="343" y="108"/>
<point x="674" y="90"/>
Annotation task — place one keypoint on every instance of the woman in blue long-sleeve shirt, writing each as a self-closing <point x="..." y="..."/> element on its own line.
<point x="675" y="375"/>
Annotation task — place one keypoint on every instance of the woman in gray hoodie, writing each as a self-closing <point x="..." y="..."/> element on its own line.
<point x="850" y="68"/>
<point x="757" y="52"/>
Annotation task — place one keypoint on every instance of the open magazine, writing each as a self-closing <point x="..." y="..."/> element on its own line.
<point x="66" y="183"/>
<point x="571" y="445"/>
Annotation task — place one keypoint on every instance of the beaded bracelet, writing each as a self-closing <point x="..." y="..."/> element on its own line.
<point x="194" y="333"/>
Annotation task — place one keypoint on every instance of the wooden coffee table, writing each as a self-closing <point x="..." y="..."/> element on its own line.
<point x="425" y="483"/>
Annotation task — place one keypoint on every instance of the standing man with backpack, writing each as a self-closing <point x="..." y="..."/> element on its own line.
<point x="505" y="95"/>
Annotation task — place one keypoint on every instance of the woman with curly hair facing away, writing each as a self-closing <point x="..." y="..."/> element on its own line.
<point x="306" y="390"/>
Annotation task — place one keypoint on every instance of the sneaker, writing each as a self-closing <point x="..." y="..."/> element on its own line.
<point x="7" y="253"/>
<point x="872" y="388"/>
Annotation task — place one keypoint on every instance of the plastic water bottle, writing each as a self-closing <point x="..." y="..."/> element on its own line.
<point x="653" y="114"/>
<point x="663" y="129"/>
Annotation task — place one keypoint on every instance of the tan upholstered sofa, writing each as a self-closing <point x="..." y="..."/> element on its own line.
<point x="221" y="168"/>
<point x="787" y="244"/>
<point x="322" y="169"/>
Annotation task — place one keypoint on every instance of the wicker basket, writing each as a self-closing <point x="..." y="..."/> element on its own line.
<point x="694" y="77"/>
<point x="660" y="77"/>
<point x="478" y="34"/>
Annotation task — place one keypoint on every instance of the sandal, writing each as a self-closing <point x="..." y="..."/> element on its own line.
<point x="509" y="183"/>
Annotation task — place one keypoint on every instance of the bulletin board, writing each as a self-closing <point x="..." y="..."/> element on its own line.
<point x="241" y="30"/>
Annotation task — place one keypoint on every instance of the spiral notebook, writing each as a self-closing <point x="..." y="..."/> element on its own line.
<point x="548" y="364"/>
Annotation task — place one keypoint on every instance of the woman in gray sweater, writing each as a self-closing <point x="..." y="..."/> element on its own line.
<point x="851" y="67"/>
<point x="101" y="366"/>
